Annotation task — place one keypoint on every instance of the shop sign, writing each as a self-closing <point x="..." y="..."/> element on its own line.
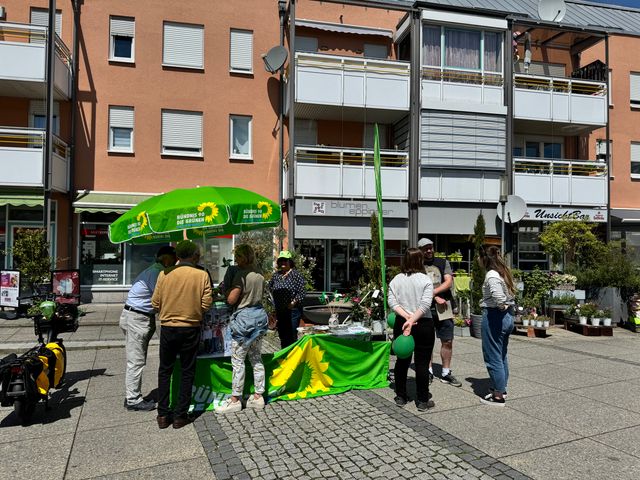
<point x="9" y="288"/>
<point x="87" y="232"/>
<point x="544" y="214"/>
<point x="107" y="274"/>
<point x="350" y="208"/>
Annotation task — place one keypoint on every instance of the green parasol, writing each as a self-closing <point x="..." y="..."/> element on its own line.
<point x="200" y="212"/>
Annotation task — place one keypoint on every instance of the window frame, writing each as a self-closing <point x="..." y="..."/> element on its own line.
<point x="631" y="161"/>
<point x="181" y="151"/>
<point x="634" y="103"/>
<point x="176" y="65"/>
<point x="239" y="70"/>
<point x="241" y="156"/>
<point x="111" y="148"/>
<point x="112" y="55"/>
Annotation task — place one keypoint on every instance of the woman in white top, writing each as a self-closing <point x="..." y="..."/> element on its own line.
<point x="498" y="292"/>
<point x="410" y="296"/>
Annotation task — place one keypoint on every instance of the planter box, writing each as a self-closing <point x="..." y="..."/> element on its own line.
<point x="461" y="331"/>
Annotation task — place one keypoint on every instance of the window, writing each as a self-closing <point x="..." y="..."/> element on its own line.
<point x="121" y="129"/>
<point x="369" y="135"/>
<point x="40" y="17"/>
<point x="121" y="42"/>
<point x="601" y="150"/>
<point x="375" y="51"/>
<point x="181" y="133"/>
<point x="462" y="49"/>
<point x="240" y="136"/>
<point x="305" y="132"/>
<point x="38" y="115"/>
<point x="241" y="51"/>
<point x="635" y="159"/>
<point x="538" y="147"/>
<point x="183" y="45"/>
<point x="306" y="44"/>
<point x="634" y="94"/>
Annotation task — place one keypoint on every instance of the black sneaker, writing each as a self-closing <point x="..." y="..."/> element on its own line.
<point x="490" y="394"/>
<point x="451" y="380"/>
<point x="424" y="406"/>
<point x="493" y="401"/>
<point x="400" y="401"/>
<point x="142" y="406"/>
<point x="430" y="378"/>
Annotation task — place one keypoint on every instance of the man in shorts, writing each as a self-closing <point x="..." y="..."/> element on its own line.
<point x="441" y="275"/>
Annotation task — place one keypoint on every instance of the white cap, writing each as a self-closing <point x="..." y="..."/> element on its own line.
<point x="423" y="242"/>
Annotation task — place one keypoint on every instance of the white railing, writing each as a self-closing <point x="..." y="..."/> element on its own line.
<point x="352" y="81"/>
<point x="560" y="181"/>
<point x="22" y="157"/>
<point x="349" y="173"/>
<point x="459" y="185"/>
<point x="449" y="85"/>
<point x="560" y="99"/>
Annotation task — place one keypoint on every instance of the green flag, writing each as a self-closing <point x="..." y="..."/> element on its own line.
<point x="314" y="366"/>
<point x="376" y="167"/>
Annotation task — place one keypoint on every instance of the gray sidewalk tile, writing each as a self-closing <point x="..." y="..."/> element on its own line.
<point x="94" y="418"/>
<point x="197" y="468"/>
<point x="581" y="459"/>
<point x="494" y="430"/>
<point x="585" y="417"/>
<point x="113" y="385"/>
<point x="557" y="377"/>
<point x="36" y="457"/>
<point x="615" y="370"/>
<point x="620" y="394"/>
<point x="626" y="440"/>
<point x="129" y="447"/>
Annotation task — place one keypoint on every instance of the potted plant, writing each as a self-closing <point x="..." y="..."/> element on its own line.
<point x="606" y="317"/>
<point x="477" y="277"/>
<point x="587" y="312"/>
<point x="597" y="318"/>
<point x="543" y="321"/>
<point x="461" y="326"/>
<point x="562" y="301"/>
<point x="527" y="319"/>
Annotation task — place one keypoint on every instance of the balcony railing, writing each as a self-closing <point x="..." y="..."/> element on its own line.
<point x="352" y="81"/>
<point x="558" y="99"/>
<point x="22" y="157"/>
<point x="349" y="173"/>
<point x="23" y="53"/>
<point x="560" y="182"/>
<point x="459" y="185"/>
<point x="449" y="85"/>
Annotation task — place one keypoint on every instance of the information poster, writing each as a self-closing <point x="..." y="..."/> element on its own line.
<point x="66" y="285"/>
<point x="9" y="288"/>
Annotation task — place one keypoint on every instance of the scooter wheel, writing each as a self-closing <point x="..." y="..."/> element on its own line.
<point x="23" y="410"/>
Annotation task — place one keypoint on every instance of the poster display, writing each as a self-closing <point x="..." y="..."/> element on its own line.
<point x="9" y="288"/>
<point x="65" y="285"/>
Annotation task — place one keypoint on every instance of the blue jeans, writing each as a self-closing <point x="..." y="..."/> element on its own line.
<point x="496" y="328"/>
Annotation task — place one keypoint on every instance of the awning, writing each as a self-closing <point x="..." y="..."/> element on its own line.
<point x="101" y="202"/>
<point x="626" y="214"/>
<point x="342" y="28"/>
<point x="22" y="200"/>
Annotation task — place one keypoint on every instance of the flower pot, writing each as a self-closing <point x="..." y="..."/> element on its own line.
<point x="595" y="322"/>
<point x="583" y="320"/>
<point x="525" y="322"/>
<point x="545" y="323"/>
<point x="461" y="331"/>
<point x="606" y="322"/>
<point x="539" y="323"/>
<point x="476" y="326"/>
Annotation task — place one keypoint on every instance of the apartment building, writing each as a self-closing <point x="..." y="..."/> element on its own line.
<point x="165" y="97"/>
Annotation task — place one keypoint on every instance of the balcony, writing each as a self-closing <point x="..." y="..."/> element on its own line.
<point x="454" y="89"/>
<point x="23" y="67"/>
<point x="22" y="157"/>
<point x="335" y="87"/>
<point x="349" y="173"/>
<point x="459" y="186"/>
<point x="560" y="100"/>
<point x="560" y="182"/>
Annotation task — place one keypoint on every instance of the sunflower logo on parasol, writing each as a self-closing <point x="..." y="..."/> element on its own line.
<point x="213" y="213"/>
<point x="142" y="218"/>
<point x="265" y="213"/>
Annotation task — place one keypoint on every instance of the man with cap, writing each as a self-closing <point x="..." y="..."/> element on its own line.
<point x="138" y="323"/>
<point x="182" y="295"/>
<point x="439" y="270"/>
<point x="287" y="286"/>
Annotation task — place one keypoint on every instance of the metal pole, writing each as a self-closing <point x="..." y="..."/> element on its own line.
<point x="72" y="146"/>
<point x="607" y="149"/>
<point x="414" y="135"/>
<point x="508" y="92"/>
<point x="291" y="210"/>
<point x="48" y="139"/>
<point x="282" y="11"/>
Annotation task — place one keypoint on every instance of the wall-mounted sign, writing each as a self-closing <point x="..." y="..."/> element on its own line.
<point x="547" y="214"/>
<point x="350" y="208"/>
<point x="9" y="288"/>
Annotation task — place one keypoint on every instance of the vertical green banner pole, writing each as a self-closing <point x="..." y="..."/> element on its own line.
<point x="376" y="167"/>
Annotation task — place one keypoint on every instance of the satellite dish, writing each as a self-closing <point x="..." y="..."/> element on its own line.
<point x="514" y="209"/>
<point x="274" y="59"/>
<point x="552" y="10"/>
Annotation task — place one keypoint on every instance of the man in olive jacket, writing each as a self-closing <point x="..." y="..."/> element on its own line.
<point x="181" y="297"/>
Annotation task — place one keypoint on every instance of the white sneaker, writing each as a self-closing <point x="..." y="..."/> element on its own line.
<point x="257" y="403"/>
<point x="229" y="406"/>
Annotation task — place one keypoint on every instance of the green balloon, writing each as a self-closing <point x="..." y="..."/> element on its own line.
<point x="391" y="319"/>
<point x="403" y="346"/>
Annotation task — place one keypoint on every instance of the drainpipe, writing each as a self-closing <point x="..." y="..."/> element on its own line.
<point x="72" y="145"/>
<point x="48" y="138"/>
<point x="607" y="151"/>
<point x="282" y="11"/>
<point x="291" y="210"/>
<point x="414" y="137"/>
<point x="508" y="95"/>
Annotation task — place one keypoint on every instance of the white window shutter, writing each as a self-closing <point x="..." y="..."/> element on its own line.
<point x="372" y="50"/>
<point x="634" y="81"/>
<point x="122" y="117"/>
<point x="183" y="45"/>
<point x="241" y="50"/>
<point x="181" y="129"/>
<point x="122" y="26"/>
<point x="635" y="152"/>
<point x="39" y="107"/>
<point x="40" y="16"/>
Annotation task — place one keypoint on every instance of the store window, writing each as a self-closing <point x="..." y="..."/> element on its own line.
<point x="3" y="234"/>
<point x="530" y="252"/>
<point x="216" y="253"/>
<point x="314" y="251"/>
<point x="101" y="262"/>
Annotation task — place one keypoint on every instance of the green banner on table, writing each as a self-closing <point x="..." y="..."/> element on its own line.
<point x="315" y="365"/>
